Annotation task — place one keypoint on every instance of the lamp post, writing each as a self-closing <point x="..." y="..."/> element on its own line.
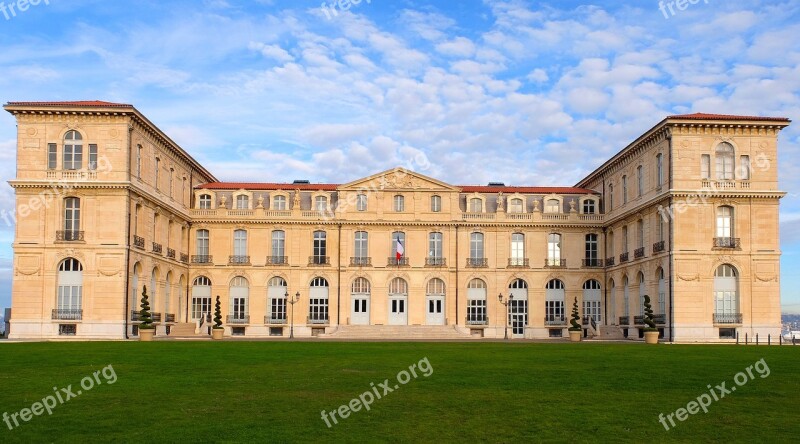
<point x="510" y="298"/>
<point x="292" y="301"/>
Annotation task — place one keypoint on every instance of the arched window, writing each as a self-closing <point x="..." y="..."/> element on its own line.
<point x="318" y="301"/>
<point x="73" y="150"/>
<point x="554" y="302"/>
<point x="436" y="204"/>
<point x="552" y="206"/>
<point x="476" y="302"/>
<point x="70" y="290"/>
<point x="276" y="300"/>
<point x="201" y="297"/>
<point x="726" y="295"/>
<point x="72" y="219"/>
<point x="360" y="296"/>
<point x="475" y="205"/>
<point x="435" y="287"/>
<point x="239" y="296"/>
<point x="517" y="258"/>
<point x="205" y="202"/>
<point x="242" y="202"/>
<point x="554" y="250"/>
<point x="591" y="300"/>
<point x="361" y="286"/>
<point x="724" y="161"/>
<point x="398" y="286"/>
<point x="516" y="206"/>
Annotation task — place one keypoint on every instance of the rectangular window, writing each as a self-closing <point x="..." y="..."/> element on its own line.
<point x="202" y="242"/>
<point x="554" y="310"/>
<point x="399" y="203"/>
<point x="320" y="247"/>
<point x="67" y="329"/>
<point x="476" y="246"/>
<point x="139" y="162"/>
<point x="73" y="157"/>
<point x="588" y="206"/>
<point x="278" y="244"/>
<point x="517" y="249"/>
<point x="277" y="308"/>
<point x="361" y="202"/>
<point x="401" y="237"/>
<point x="242" y="202"/>
<point x="240" y="243"/>
<point x="200" y="306"/>
<point x="640" y="180"/>
<point x="321" y="203"/>
<point x="155" y="173"/>
<point x="436" y="204"/>
<point x="745" y="163"/>
<point x="624" y="239"/>
<point x="361" y="245"/>
<point x="705" y="167"/>
<point x="476" y="311"/>
<point x="591" y="249"/>
<point x="279" y="203"/>
<point x="624" y="190"/>
<point x="435" y="245"/>
<point x="318" y="309"/>
<point x="52" y="156"/>
<point x="92" y="156"/>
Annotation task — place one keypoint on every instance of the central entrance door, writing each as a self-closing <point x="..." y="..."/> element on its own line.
<point x="518" y="308"/>
<point x="434" y="302"/>
<point x="398" y="302"/>
<point x="360" y="298"/>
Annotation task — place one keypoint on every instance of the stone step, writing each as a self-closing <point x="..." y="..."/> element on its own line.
<point x="183" y="330"/>
<point x="396" y="332"/>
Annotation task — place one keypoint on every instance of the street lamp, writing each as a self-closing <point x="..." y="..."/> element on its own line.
<point x="292" y="301"/>
<point x="510" y="298"/>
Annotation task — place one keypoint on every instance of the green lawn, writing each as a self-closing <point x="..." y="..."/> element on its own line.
<point x="477" y="392"/>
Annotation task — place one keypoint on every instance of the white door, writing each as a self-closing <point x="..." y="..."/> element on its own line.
<point x="398" y="310"/>
<point x="435" y="314"/>
<point x="360" y="310"/>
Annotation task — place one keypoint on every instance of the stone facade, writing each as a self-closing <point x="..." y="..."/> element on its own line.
<point x="107" y="203"/>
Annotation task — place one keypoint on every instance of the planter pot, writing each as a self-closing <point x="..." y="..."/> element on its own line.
<point x="651" y="337"/>
<point x="216" y="333"/>
<point x="146" y="335"/>
<point x="575" y="336"/>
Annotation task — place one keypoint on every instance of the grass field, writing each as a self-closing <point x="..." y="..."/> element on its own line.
<point x="474" y="392"/>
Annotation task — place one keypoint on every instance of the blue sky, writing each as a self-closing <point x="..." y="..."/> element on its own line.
<point x="522" y="92"/>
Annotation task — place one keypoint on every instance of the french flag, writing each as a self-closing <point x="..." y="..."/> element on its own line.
<point x="400" y="250"/>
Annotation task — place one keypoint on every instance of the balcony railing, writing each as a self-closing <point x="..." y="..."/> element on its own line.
<point x="638" y="253"/>
<point x="170" y="253"/>
<point x="727" y="318"/>
<point x="277" y="260"/>
<point x="319" y="261"/>
<point x="156" y="317"/>
<point x="610" y="261"/>
<point x="275" y="320"/>
<point x="360" y="261"/>
<point x="393" y="261"/>
<point x="658" y="247"/>
<point x="169" y="317"/>
<point x="476" y="319"/>
<point x="69" y="236"/>
<point x="317" y="319"/>
<point x="138" y="242"/>
<point x="592" y="263"/>
<point x="202" y="259"/>
<point x="624" y="320"/>
<point x="518" y="262"/>
<point x="239" y="260"/>
<point x="237" y="319"/>
<point x="477" y="262"/>
<point x="67" y="315"/>
<point x="555" y="320"/>
<point x="727" y="242"/>
<point x="555" y="263"/>
<point x="184" y="258"/>
<point x="623" y="257"/>
<point x="435" y="262"/>
<point x="157" y="248"/>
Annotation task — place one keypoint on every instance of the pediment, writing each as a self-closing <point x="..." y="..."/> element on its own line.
<point x="398" y="179"/>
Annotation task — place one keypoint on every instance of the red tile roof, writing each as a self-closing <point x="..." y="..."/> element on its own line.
<point x="705" y="116"/>
<point x="80" y="103"/>
<point x="333" y="187"/>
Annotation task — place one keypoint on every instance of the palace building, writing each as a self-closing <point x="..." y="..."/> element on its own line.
<point x="108" y="204"/>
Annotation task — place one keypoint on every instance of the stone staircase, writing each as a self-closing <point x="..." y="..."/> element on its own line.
<point x="610" y="333"/>
<point x="402" y="332"/>
<point x="185" y="330"/>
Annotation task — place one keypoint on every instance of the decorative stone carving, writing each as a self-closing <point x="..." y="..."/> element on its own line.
<point x="223" y="201"/>
<point x="296" y="201"/>
<point x="536" y="205"/>
<point x="499" y="201"/>
<point x="572" y="206"/>
<point x="260" y="202"/>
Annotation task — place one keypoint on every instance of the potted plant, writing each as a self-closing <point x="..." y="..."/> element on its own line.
<point x="146" y="328"/>
<point x="575" y="331"/>
<point x="217" y="330"/>
<point x="650" y="332"/>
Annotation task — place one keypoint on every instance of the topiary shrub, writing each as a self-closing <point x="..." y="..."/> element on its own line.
<point x="144" y="312"/>
<point x="575" y="318"/>
<point x="217" y="315"/>
<point x="648" y="315"/>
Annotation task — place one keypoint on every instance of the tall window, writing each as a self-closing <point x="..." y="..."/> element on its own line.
<point x="72" y="216"/>
<point x="591" y="300"/>
<point x="589" y="206"/>
<point x="361" y="245"/>
<point x="660" y="169"/>
<point x="399" y="203"/>
<point x="516" y="206"/>
<point x="276" y="296"/>
<point x="639" y="181"/>
<point x="705" y="166"/>
<point x="201" y="297"/>
<point x="726" y="295"/>
<point x="625" y="239"/>
<point x="476" y="246"/>
<point x="610" y="197"/>
<point x="318" y="301"/>
<point x="552" y="206"/>
<point x="361" y="202"/>
<point x="724" y="156"/>
<point x="554" y="301"/>
<point x="320" y="247"/>
<point x="138" y="161"/>
<point x="435" y="246"/>
<point x="590" y="253"/>
<point x="641" y="294"/>
<point x="554" y="249"/>
<point x="73" y="150"/>
<point x="661" y="229"/>
<point x="278" y="246"/>
<point x="725" y="221"/>
<point x="157" y="170"/>
<point x="321" y="203"/>
<point x="52" y="156"/>
<point x="662" y="292"/>
<point x="279" y="203"/>
<point x="202" y="243"/>
<point x="624" y="190"/>
<point x="611" y="250"/>
<point x="436" y="204"/>
<point x="239" y="295"/>
<point x="170" y="184"/>
<point x="240" y="243"/>
<point x="517" y="250"/>
<point x="242" y="202"/>
<point x="744" y="162"/>
<point x="476" y="302"/>
<point x="205" y="201"/>
<point x="640" y="233"/>
<point x="70" y="289"/>
<point x="475" y="205"/>
<point x="92" y="156"/>
<point x="398" y="236"/>
<point x="626" y="297"/>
